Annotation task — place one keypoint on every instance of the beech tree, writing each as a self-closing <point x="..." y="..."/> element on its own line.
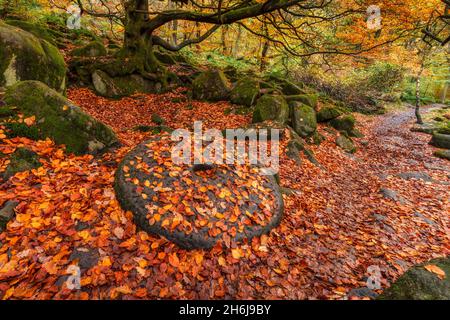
<point x="297" y="27"/>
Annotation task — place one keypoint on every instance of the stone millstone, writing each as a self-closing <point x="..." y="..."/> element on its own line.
<point x="196" y="206"/>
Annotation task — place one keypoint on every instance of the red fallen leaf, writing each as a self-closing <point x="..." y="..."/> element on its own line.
<point x="173" y="260"/>
<point x="9" y="274"/>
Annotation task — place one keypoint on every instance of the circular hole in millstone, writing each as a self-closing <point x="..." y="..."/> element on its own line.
<point x="193" y="210"/>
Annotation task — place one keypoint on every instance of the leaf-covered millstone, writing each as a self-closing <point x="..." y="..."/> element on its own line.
<point x="196" y="208"/>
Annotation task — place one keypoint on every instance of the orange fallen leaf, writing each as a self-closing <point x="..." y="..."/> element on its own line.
<point x="436" y="270"/>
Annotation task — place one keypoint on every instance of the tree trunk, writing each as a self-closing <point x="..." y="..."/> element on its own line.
<point x="444" y="93"/>
<point x="237" y="42"/>
<point x="138" y="47"/>
<point x="417" y="109"/>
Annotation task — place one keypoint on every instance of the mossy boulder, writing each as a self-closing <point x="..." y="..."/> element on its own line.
<point x="271" y="107"/>
<point x="345" y="143"/>
<point x="121" y="86"/>
<point x="245" y="92"/>
<point x="24" y="56"/>
<point x="310" y="100"/>
<point x="443" y="154"/>
<point x="168" y="57"/>
<point x="328" y="113"/>
<point x="440" y="140"/>
<point x="92" y="49"/>
<point x="38" y="30"/>
<point x="420" y="284"/>
<point x="304" y="120"/>
<point x="58" y="118"/>
<point x="211" y="85"/>
<point x="344" y="123"/>
<point x="22" y="159"/>
<point x="286" y="86"/>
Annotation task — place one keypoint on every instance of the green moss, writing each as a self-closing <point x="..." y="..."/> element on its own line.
<point x="443" y="154"/>
<point x="304" y="120"/>
<point x="310" y="100"/>
<point x="21" y="160"/>
<point x="286" y="86"/>
<point x="26" y="57"/>
<point x="38" y="30"/>
<point x="6" y="112"/>
<point x="440" y="140"/>
<point x="327" y="114"/>
<point x="16" y="129"/>
<point x="344" y="123"/>
<point x="211" y="85"/>
<point x="271" y="107"/>
<point x="245" y="92"/>
<point x="345" y="143"/>
<point x="156" y="118"/>
<point x="92" y="49"/>
<point x="58" y="119"/>
<point x="420" y="284"/>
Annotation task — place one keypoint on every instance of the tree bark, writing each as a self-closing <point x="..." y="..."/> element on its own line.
<point x="138" y="47"/>
<point x="417" y="109"/>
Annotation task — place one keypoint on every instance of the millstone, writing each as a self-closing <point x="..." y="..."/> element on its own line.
<point x="195" y="206"/>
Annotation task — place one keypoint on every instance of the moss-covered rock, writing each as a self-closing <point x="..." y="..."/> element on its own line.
<point x="168" y="57"/>
<point x="245" y="92"/>
<point x="345" y="143"/>
<point x="271" y="107"/>
<point x="26" y="57"/>
<point x="211" y="85"/>
<point x="156" y="118"/>
<point x="310" y="100"/>
<point x="286" y="86"/>
<point x="121" y="86"/>
<point x="328" y="113"/>
<point x="22" y="159"/>
<point x="58" y="118"/>
<point x="20" y="129"/>
<point x="92" y="49"/>
<point x="443" y="154"/>
<point x="7" y="213"/>
<point x="420" y="284"/>
<point x="344" y="123"/>
<point x="304" y="120"/>
<point x="440" y="140"/>
<point x="38" y="30"/>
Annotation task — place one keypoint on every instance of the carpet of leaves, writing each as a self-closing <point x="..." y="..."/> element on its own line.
<point x="328" y="238"/>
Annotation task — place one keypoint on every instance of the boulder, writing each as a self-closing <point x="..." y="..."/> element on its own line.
<point x="344" y="123"/>
<point x="7" y="213"/>
<point x="304" y="120"/>
<point x="211" y="85"/>
<point x="92" y="49"/>
<point x="328" y="113"/>
<point x="38" y="30"/>
<point x="345" y="143"/>
<point x="287" y="87"/>
<point x="121" y="86"/>
<point x="418" y="283"/>
<point x="22" y="159"/>
<point x="443" y="154"/>
<point x="26" y="57"/>
<point x="271" y="107"/>
<point x="58" y="118"/>
<point x="310" y="100"/>
<point x="245" y="92"/>
<point x="440" y="140"/>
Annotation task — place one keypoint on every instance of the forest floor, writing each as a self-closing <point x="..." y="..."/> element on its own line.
<point x="386" y="206"/>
